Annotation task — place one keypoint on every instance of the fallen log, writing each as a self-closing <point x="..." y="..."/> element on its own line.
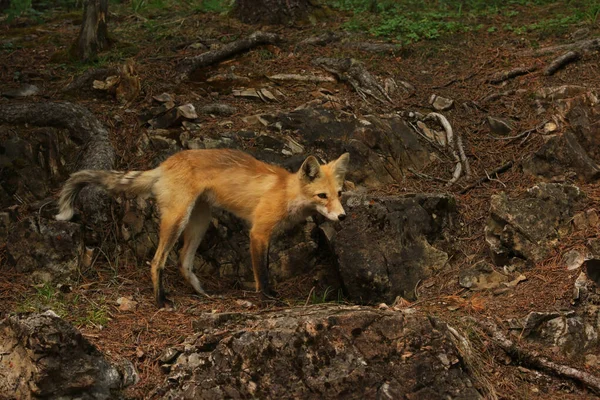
<point x="190" y="64"/>
<point x="85" y="129"/>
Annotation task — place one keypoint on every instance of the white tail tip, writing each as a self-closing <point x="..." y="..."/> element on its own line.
<point x="64" y="216"/>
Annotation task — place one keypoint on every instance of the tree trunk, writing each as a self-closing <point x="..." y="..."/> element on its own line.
<point x="274" y="12"/>
<point x="93" y="36"/>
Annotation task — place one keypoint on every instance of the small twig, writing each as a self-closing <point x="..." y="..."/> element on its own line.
<point x="425" y="176"/>
<point x="308" y="297"/>
<point x="463" y="156"/>
<point x="530" y="359"/>
<point x="520" y="135"/>
<point x="453" y="81"/>
<point x="562" y="61"/>
<point x="493" y="179"/>
<point x="503" y="168"/>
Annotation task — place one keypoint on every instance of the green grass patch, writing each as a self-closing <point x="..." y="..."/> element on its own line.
<point x="409" y="20"/>
<point x="71" y="306"/>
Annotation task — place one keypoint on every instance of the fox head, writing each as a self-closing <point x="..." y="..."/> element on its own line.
<point x="321" y="185"/>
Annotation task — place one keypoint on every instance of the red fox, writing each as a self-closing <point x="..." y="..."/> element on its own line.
<point x="189" y="183"/>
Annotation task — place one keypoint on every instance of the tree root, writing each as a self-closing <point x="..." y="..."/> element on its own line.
<point x="190" y="64"/>
<point x="533" y="360"/>
<point x="85" y="128"/>
<point x="562" y="61"/>
<point x="353" y="72"/>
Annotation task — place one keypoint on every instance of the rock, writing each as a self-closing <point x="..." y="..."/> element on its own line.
<point x="48" y="250"/>
<point x="571" y="332"/>
<point x="168" y="355"/>
<point x="528" y="228"/>
<point x="380" y="152"/>
<point x="126" y="304"/>
<point x="45" y="357"/>
<point x="164" y="98"/>
<point x="325" y="352"/>
<point x="550" y="127"/>
<point x="592" y="270"/>
<point x="499" y="126"/>
<point x="247" y="93"/>
<point x="440" y="103"/>
<point x="217" y="109"/>
<point x="384" y="247"/>
<point x="577" y="149"/>
<point x="24" y="90"/>
<point x="481" y="277"/>
<point x="573" y="259"/>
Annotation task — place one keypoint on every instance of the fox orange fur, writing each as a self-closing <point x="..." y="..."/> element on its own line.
<point x="189" y="183"/>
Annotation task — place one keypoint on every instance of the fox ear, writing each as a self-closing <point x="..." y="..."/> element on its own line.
<point x="310" y="168"/>
<point x="340" y="166"/>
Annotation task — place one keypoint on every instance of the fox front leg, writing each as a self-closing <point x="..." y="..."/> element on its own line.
<point x="259" y="251"/>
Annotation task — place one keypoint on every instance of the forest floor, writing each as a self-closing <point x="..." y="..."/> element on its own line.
<point x="456" y="64"/>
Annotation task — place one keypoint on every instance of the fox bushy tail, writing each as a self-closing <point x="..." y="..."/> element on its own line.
<point x="132" y="182"/>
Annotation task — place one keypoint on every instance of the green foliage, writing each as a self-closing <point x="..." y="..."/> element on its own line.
<point x="411" y="20"/>
<point x="69" y="306"/>
<point x="213" y="6"/>
<point x="34" y="8"/>
<point x="18" y="8"/>
<point x="46" y="297"/>
<point x="325" y="297"/>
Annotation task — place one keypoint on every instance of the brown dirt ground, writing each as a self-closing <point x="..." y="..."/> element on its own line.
<point x="454" y="66"/>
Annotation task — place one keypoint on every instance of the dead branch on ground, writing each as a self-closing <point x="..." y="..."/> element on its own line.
<point x="581" y="45"/>
<point x="322" y="40"/>
<point x="301" y="78"/>
<point x="354" y="72"/>
<point x="533" y="360"/>
<point x="190" y="64"/>
<point x="562" y="61"/>
<point x="502" y="76"/>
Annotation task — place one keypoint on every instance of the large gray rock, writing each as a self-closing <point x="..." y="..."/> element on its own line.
<point x="529" y="227"/>
<point x="385" y="246"/>
<point x="48" y="250"/>
<point x="42" y="356"/>
<point x="324" y="352"/>
<point x="381" y="149"/>
<point x="574" y="150"/>
<point x="574" y="333"/>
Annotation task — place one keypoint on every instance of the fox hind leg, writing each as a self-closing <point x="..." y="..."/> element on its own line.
<point x="192" y="236"/>
<point x="172" y="222"/>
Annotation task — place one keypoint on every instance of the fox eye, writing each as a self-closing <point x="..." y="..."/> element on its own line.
<point x="322" y="195"/>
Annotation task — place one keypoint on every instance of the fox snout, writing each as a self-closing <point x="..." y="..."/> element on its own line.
<point x="332" y="213"/>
